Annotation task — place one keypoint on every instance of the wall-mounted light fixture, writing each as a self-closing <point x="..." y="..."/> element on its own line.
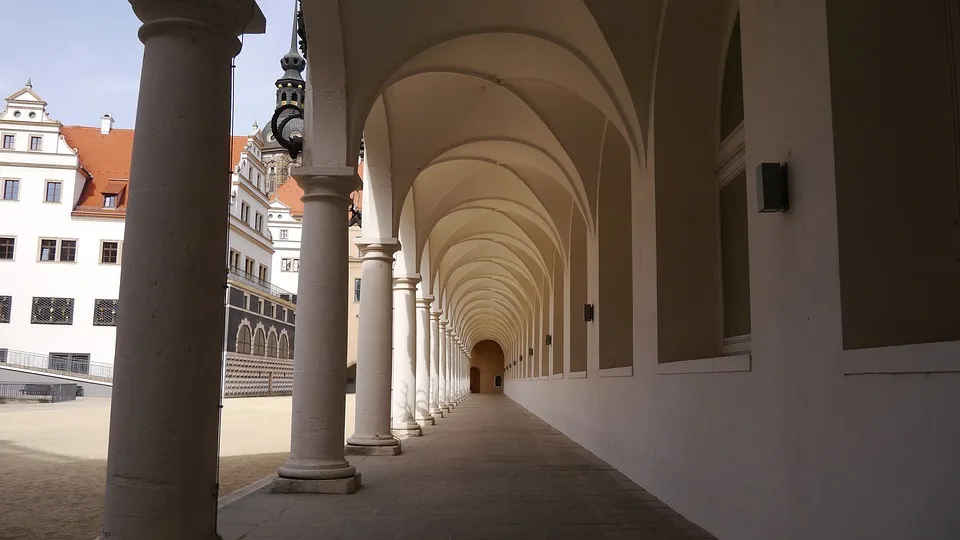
<point x="588" y="312"/>
<point x="531" y="351"/>
<point x="549" y="339"/>
<point x="772" y="187"/>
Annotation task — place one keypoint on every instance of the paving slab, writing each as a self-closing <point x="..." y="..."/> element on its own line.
<point x="470" y="477"/>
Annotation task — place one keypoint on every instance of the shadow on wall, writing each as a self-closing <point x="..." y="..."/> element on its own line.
<point x="487" y="360"/>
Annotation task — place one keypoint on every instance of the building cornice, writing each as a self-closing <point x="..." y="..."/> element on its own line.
<point x="258" y="239"/>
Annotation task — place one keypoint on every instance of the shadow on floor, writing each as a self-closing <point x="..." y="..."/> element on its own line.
<point x="46" y="496"/>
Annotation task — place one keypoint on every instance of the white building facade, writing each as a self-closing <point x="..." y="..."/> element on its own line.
<point x="62" y="219"/>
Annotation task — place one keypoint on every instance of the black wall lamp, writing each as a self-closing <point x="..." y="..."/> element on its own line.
<point x="549" y="339"/>
<point x="772" y="187"/>
<point x="588" y="312"/>
<point x="531" y="351"/>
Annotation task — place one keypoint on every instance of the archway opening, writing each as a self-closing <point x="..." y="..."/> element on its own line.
<point x="486" y="365"/>
<point x="475" y="380"/>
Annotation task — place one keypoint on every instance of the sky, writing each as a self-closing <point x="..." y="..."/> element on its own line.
<point x="83" y="57"/>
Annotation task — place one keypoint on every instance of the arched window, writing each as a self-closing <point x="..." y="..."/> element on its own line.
<point x="498" y="381"/>
<point x="243" y="340"/>
<point x="731" y="180"/>
<point x="259" y="342"/>
<point x="283" y="97"/>
<point x="283" y="350"/>
<point x="272" y="344"/>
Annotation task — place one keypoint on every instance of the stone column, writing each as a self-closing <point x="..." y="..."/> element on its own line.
<point x="404" y="393"/>
<point x="162" y="458"/>
<point x="374" y="355"/>
<point x="422" y="412"/>
<point x="443" y="380"/>
<point x="435" y="339"/>
<point x="316" y="463"/>
<point x="451" y="358"/>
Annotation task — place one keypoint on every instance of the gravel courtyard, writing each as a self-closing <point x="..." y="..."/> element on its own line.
<point x="53" y="460"/>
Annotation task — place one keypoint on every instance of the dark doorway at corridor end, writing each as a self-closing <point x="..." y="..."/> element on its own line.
<point x="487" y="359"/>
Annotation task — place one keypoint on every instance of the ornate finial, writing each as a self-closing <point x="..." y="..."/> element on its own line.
<point x="256" y="126"/>
<point x="292" y="63"/>
<point x="29" y="83"/>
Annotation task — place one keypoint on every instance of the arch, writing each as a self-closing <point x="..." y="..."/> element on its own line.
<point x="259" y="342"/>
<point x="271" y="350"/>
<point x="244" y="340"/>
<point x="283" y="346"/>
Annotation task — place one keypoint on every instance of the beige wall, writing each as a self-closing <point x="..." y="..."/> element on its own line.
<point x="487" y="357"/>
<point x="353" y="308"/>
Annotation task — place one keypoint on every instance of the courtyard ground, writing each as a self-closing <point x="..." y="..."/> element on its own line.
<point x="53" y="460"/>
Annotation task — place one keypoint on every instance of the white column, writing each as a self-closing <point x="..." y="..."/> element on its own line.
<point x="404" y="390"/>
<point x="374" y="355"/>
<point x="162" y="456"/>
<point x="451" y="360"/>
<point x="422" y="412"/>
<point x="443" y="380"/>
<point x="317" y="463"/>
<point x="435" y="344"/>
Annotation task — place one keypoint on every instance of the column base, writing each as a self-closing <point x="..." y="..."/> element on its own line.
<point x="425" y="421"/>
<point x="333" y="486"/>
<point x="406" y="433"/>
<point x="436" y="413"/>
<point x="359" y="450"/>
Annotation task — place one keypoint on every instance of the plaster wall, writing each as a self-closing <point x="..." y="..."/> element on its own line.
<point x="813" y="441"/>
<point x="487" y="357"/>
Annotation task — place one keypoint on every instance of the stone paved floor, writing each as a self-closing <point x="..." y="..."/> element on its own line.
<point x="490" y="470"/>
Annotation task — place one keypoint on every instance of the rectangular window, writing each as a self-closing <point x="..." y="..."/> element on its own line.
<point x="284" y="233"/>
<point x="47" y="310"/>
<point x="734" y="263"/>
<point x="48" y="250"/>
<point x="9" y="141"/>
<point x="36" y="142"/>
<point x="356" y="290"/>
<point x="245" y="212"/>
<point x="6" y="305"/>
<point x="109" y="201"/>
<point x="68" y="251"/>
<point x="248" y="266"/>
<point x="246" y="301"/>
<point x="49" y="247"/>
<point x="11" y="190"/>
<point x="234" y="259"/>
<point x="258" y="222"/>
<point x="109" y="252"/>
<point x="263" y="273"/>
<point x="104" y="312"/>
<point x="290" y="265"/>
<point x="53" y="192"/>
<point x="256" y="304"/>
<point x="7" y="247"/>
<point x="280" y="314"/>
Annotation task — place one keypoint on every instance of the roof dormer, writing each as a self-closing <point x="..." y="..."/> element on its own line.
<point x="25" y="105"/>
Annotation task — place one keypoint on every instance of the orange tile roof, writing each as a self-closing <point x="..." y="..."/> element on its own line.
<point x="106" y="159"/>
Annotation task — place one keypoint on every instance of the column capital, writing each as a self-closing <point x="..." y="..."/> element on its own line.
<point x="200" y="17"/>
<point x="435" y="315"/>
<point x="372" y="249"/>
<point x="326" y="182"/>
<point x="443" y="325"/>
<point x="406" y="283"/>
<point x="424" y="302"/>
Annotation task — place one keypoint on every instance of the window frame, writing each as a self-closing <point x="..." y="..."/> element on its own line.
<point x="119" y="244"/>
<point x="284" y="234"/>
<point x="3" y="187"/>
<point x="33" y="309"/>
<point x="13" y="256"/>
<point x="97" y="306"/>
<point x="46" y="191"/>
<point x="357" y="284"/>
<point x="6" y="308"/>
<point x="3" y="141"/>
<point x="113" y="198"/>
<point x="58" y="250"/>
<point x="33" y="137"/>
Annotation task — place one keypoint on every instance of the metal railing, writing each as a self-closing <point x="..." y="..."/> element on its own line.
<point x="241" y="276"/>
<point x="57" y="364"/>
<point x="30" y="392"/>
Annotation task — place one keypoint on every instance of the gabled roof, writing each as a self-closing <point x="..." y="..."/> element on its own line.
<point x="26" y="94"/>
<point x="106" y="158"/>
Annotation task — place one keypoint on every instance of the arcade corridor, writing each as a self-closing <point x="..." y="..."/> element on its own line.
<point x="472" y="476"/>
